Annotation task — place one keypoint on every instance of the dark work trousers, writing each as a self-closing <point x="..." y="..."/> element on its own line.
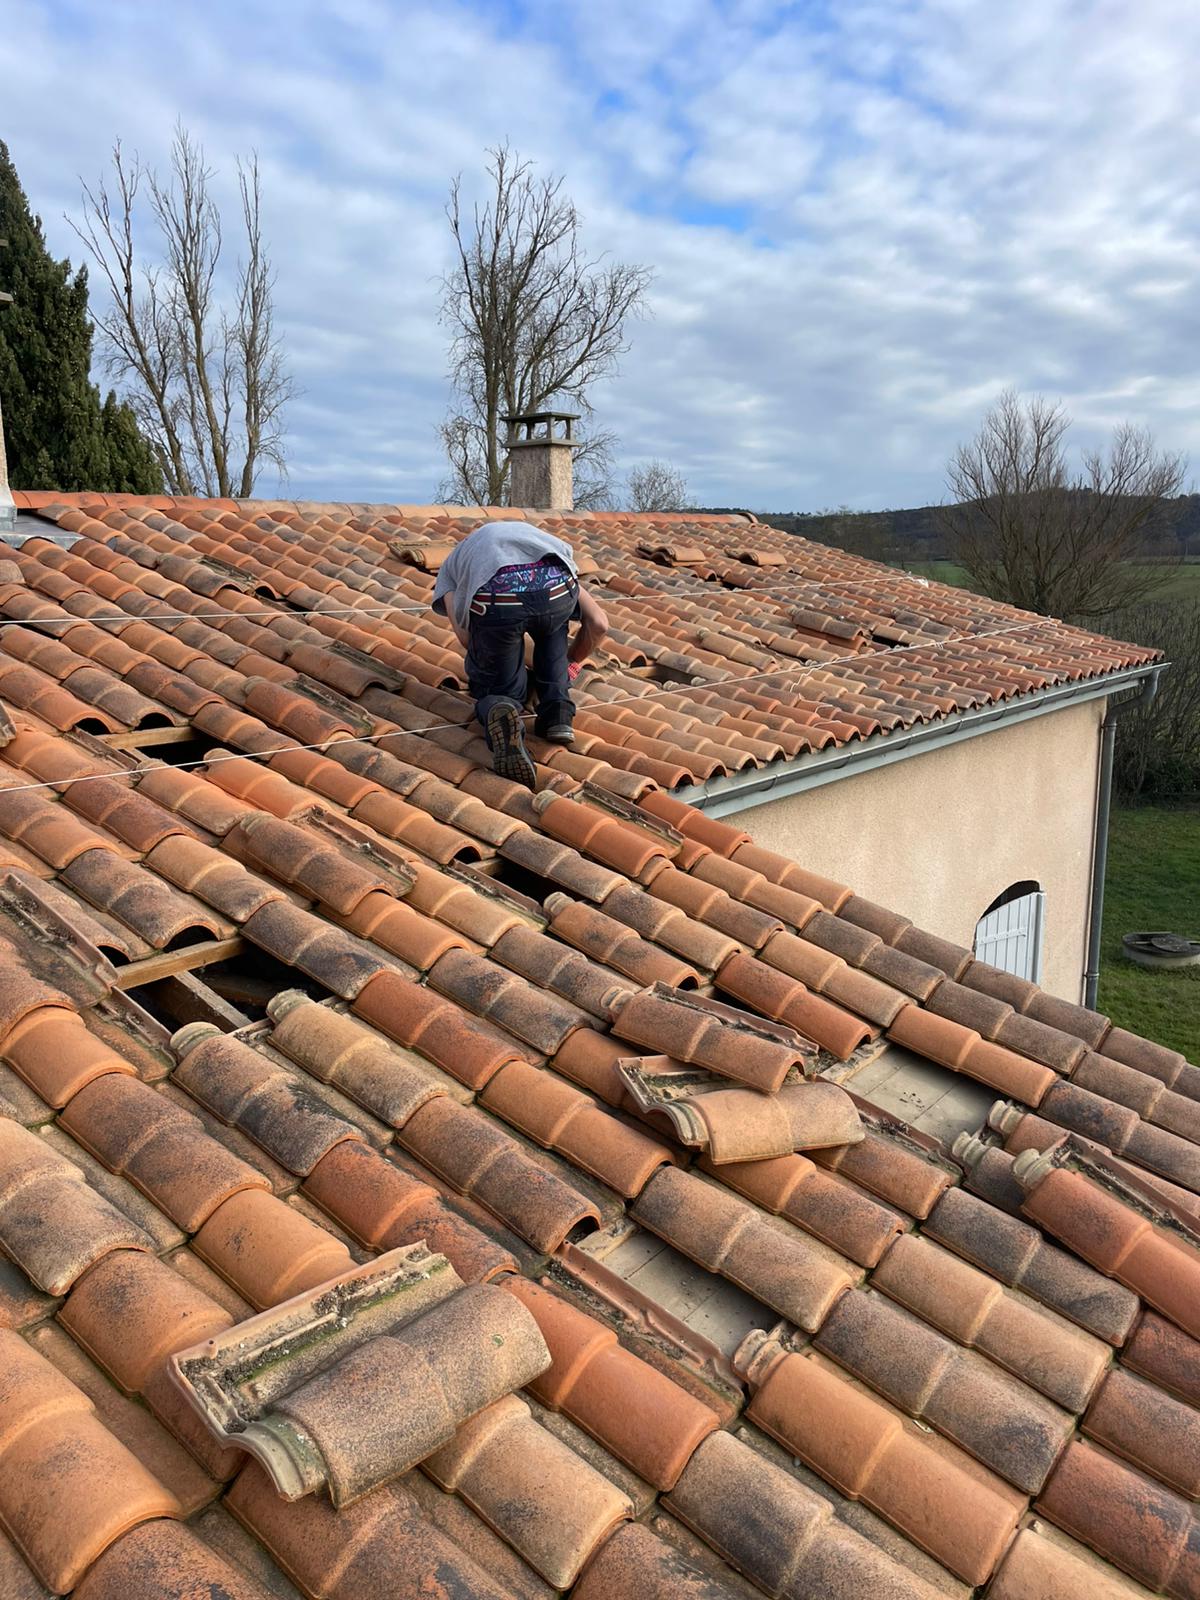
<point x="496" y="654"/>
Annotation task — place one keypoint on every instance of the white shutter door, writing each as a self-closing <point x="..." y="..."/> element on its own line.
<point x="1011" y="936"/>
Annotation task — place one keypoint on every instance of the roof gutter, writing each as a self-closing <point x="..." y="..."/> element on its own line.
<point x="739" y="791"/>
<point x="1108" y="739"/>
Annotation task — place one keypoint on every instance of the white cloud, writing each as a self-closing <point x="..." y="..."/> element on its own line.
<point x="863" y="226"/>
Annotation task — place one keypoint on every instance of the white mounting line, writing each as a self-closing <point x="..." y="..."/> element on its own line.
<point x="439" y="727"/>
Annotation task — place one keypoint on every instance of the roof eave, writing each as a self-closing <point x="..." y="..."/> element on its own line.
<point x="740" y="791"/>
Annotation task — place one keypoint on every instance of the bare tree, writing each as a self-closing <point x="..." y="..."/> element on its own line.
<point x="534" y="323"/>
<point x="657" y="486"/>
<point x="1158" y="746"/>
<point x="1067" y="543"/>
<point x="203" y="370"/>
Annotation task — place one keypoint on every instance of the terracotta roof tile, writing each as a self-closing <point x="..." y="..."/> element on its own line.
<point x="668" y="926"/>
<point x="560" y="1118"/>
<point x="397" y="1398"/>
<point x="635" y="1565"/>
<point x="934" y="1493"/>
<point x="384" y="1207"/>
<point x="193" y="797"/>
<point x="608" y="941"/>
<point x="888" y="1166"/>
<point x="391" y="1083"/>
<point x="1161" y="1435"/>
<point x="1159" y="1263"/>
<point x="381" y="1545"/>
<point x="267" y="1250"/>
<point x="567" y="973"/>
<point x="1144" y="1054"/>
<point x="1121" y="1130"/>
<point x="998" y="1420"/>
<point x="785" y="1269"/>
<point x="741" y="1125"/>
<point x="1059" y="1360"/>
<point x="829" y="1208"/>
<point x="1143" y="1528"/>
<point x="53" y="1050"/>
<point x="1161" y="1351"/>
<point x="340" y="962"/>
<point x="1017" y="1254"/>
<point x="551" y="1506"/>
<point x="647" y="1421"/>
<point x="160" y="1558"/>
<point x="68" y="1487"/>
<point x="472" y="1154"/>
<point x="1038" y="1568"/>
<point x="164" y="1457"/>
<point x="781" y="1534"/>
<point x="465" y="1047"/>
<point x="37" y="1182"/>
<point x="158" y="1147"/>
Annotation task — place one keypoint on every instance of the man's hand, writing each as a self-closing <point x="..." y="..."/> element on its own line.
<point x="593" y="628"/>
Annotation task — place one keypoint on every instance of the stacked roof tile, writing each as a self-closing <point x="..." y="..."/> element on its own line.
<point x="325" y="1294"/>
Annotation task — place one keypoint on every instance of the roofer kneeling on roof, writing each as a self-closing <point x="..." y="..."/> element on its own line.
<point x="503" y="581"/>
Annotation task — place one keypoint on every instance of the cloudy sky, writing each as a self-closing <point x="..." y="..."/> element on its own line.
<point x="865" y="217"/>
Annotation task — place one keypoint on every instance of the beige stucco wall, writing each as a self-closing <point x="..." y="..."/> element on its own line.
<point x="939" y="836"/>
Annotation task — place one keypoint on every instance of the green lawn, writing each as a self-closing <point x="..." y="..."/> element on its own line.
<point x="1183" y="583"/>
<point x="1153" y="885"/>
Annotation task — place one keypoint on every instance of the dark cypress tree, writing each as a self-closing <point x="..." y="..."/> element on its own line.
<point x="57" y="432"/>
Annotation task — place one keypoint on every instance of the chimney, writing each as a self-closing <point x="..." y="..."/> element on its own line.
<point x="540" y="460"/>
<point x="8" y="509"/>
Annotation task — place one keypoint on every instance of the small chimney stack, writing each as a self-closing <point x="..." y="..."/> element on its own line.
<point x="540" y="446"/>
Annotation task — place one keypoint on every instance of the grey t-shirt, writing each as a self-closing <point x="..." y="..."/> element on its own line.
<point x="483" y="552"/>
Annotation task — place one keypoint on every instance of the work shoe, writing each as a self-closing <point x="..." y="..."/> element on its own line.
<point x="510" y="759"/>
<point x="560" y="733"/>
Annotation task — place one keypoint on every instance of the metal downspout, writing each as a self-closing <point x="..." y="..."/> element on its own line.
<point x="1108" y="739"/>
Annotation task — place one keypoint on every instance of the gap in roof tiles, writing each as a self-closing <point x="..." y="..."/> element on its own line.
<point x="703" y="1302"/>
<point x="931" y="1099"/>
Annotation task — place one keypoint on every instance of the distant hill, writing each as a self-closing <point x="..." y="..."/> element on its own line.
<point x="919" y="534"/>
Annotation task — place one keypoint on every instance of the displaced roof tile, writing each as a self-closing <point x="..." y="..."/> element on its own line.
<point x="394" y="1400"/>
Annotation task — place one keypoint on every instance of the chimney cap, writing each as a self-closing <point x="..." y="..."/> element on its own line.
<point x="544" y="416"/>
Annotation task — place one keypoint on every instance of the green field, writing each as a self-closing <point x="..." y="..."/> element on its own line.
<point x="1182" y="584"/>
<point x="1153" y="885"/>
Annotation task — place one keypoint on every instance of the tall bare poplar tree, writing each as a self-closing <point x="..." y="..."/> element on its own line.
<point x="195" y="350"/>
<point x="534" y="322"/>
<point x="1032" y="531"/>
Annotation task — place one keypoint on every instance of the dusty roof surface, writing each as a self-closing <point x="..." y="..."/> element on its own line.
<point x="440" y="1143"/>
